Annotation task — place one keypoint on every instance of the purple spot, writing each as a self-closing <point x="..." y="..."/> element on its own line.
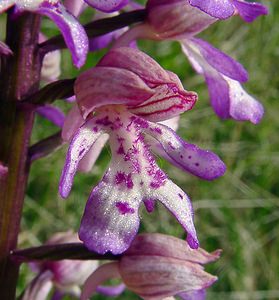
<point x="121" y="177"/>
<point x="159" y="178"/>
<point x="95" y="129"/>
<point x="124" y="208"/>
<point x="81" y="152"/>
<point x="121" y="150"/>
<point x="141" y="183"/>
<point x="180" y="196"/>
<point x="141" y="123"/>
<point x="171" y="145"/>
<point x="189" y="156"/>
<point x="129" y="181"/>
<point x="104" y="121"/>
<point x="149" y="205"/>
<point x="181" y="156"/>
<point x="197" y="164"/>
<point x="157" y="130"/>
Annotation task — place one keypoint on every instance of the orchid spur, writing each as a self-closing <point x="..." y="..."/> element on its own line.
<point x="72" y="31"/>
<point x="157" y="267"/>
<point x="178" y="20"/>
<point x="128" y="91"/>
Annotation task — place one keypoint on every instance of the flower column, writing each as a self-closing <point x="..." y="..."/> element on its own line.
<point x="19" y="78"/>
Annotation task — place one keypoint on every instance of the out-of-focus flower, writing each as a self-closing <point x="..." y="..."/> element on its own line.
<point x="128" y="91"/>
<point x="178" y="20"/>
<point x="73" y="32"/>
<point x="223" y="9"/>
<point x="65" y="276"/>
<point x="158" y="266"/>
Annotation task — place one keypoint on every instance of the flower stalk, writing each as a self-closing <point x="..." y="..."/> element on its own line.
<point x="20" y="74"/>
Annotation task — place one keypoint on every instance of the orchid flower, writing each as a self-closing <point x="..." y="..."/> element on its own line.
<point x="178" y="20"/>
<point x="156" y="267"/>
<point x="128" y="91"/>
<point x="73" y="32"/>
<point x="65" y="276"/>
<point x="223" y="9"/>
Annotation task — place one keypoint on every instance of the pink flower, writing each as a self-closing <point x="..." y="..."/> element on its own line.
<point x="65" y="276"/>
<point x="179" y="20"/>
<point x="158" y="266"/>
<point x="123" y="97"/>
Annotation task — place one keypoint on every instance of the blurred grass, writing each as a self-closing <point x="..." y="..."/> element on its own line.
<point x="239" y="212"/>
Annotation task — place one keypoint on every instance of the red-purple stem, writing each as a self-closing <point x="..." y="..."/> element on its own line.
<point x="20" y="74"/>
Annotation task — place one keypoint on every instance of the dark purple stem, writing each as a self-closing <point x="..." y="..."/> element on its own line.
<point x="20" y="74"/>
<point x="76" y="251"/>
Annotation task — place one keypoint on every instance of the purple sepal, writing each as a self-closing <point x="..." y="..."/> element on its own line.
<point x="229" y="99"/>
<point x="202" y="163"/>
<point x="220" y="9"/>
<point x="111" y="291"/>
<point x="81" y="143"/>
<point x="53" y="114"/>
<point x="193" y="295"/>
<point x="220" y="61"/>
<point x="219" y="95"/>
<point x="107" y="5"/>
<point x="73" y="33"/>
<point x="249" y="11"/>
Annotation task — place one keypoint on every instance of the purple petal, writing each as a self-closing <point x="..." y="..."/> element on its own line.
<point x="168" y="102"/>
<point x="243" y="107"/>
<point x="100" y="42"/>
<point x="111" y="291"/>
<point x="110" y="221"/>
<point x="88" y="161"/>
<point x="101" y="86"/>
<point x="193" y="295"/>
<point x="171" y="19"/>
<point x="249" y="11"/>
<point x="81" y="143"/>
<point x="219" y="95"/>
<point x="220" y="61"/>
<point x="202" y="163"/>
<point x="107" y="5"/>
<point x="220" y="9"/>
<point x="4" y="49"/>
<point x="137" y="62"/>
<point x="178" y="203"/>
<point x="53" y="114"/>
<point x="74" y="33"/>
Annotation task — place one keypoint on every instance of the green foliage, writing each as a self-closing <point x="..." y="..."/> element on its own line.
<point x="239" y="212"/>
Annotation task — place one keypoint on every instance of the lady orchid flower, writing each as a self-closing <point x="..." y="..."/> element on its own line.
<point x="128" y="92"/>
<point x="72" y="31"/>
<point x="178" y="20"/>
<point x="223" y="9"/>
<point x="158" y="267"/>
